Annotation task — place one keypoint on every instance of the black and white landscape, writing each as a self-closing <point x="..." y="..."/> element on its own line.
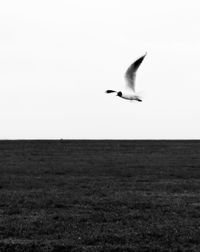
<point x="85" y="170"/>
<point x="99" y="195"/>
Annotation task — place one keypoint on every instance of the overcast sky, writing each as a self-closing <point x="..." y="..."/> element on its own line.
<point x="58" y="57"/>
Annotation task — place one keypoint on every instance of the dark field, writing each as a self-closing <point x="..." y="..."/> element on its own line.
<point x="99" y="196"/>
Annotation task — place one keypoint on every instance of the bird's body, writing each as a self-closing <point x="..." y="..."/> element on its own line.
<point x="130" y="81"/>
<point x="129" y="96"/>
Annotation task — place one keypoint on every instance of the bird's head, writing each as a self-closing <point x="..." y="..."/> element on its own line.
<point x="119" y="94"/>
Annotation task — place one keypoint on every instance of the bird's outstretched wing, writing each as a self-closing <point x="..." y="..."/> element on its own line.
<point x="131" y="73"/>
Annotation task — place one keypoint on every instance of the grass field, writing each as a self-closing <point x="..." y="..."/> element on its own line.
<point x="99" y="196"/>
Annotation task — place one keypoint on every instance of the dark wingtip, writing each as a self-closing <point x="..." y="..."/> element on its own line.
<point x="109" y="91"/>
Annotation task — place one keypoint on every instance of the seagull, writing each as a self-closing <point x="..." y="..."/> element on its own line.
<point x="130" y="81"/>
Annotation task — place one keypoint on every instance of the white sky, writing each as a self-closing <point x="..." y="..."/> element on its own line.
<point x="58" y="57"/>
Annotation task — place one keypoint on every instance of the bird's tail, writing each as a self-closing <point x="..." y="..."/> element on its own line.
<point x="140" y="95"/>
<point x="110" y="91"/>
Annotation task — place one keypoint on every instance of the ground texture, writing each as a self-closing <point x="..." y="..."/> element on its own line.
<point x="99" y="196"/>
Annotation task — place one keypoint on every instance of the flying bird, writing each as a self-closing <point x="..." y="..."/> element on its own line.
<point x="130" y="81"/>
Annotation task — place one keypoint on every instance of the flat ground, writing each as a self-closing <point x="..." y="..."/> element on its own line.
<point x="99" y="196"/>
